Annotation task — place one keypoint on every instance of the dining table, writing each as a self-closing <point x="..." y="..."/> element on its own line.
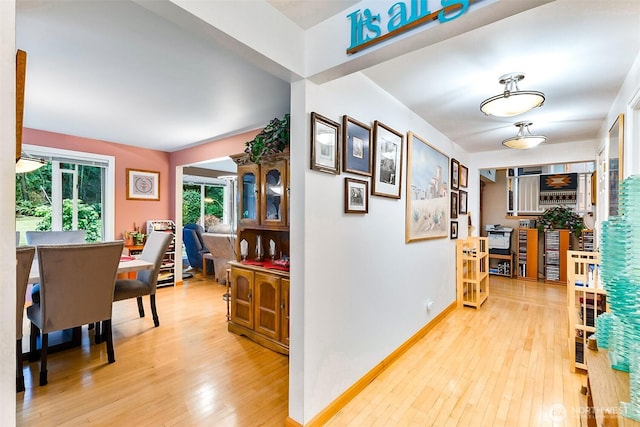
<point x="127" y="264"/>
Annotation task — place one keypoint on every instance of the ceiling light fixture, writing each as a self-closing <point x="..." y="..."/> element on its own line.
<point x="512" y="101"/>
<point x="27" y="163"/>
<point x="523" y="141"/>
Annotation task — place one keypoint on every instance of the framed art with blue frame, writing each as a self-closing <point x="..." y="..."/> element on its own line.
<point x="356" y="150"/>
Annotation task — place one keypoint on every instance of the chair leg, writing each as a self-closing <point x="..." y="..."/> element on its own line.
<point x="99" y="332"/>
<point x="140" y="307"/>
<point x="33" y="346"/>
<point x="43" y="359"/>
<point x="156" y="321"/>
<point x="108" y="336"/>
<point x="19" y="374"/>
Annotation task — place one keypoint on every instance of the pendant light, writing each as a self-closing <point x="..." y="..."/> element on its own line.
<point x="524" y="140"/>
<point x="27" y="163"/>
<point x="512" y="101"/>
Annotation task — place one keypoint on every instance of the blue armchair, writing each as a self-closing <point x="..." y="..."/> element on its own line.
<point x="193" y="243"/>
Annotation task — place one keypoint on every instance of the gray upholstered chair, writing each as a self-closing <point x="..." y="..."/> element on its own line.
<point x="24" y="258"/>
<point x="76" y="288"/>
<point x="35" y="238"/>
<point x="146" y="280"/>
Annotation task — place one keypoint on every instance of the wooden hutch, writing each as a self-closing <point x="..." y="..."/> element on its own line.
<point x="260" y="277"/>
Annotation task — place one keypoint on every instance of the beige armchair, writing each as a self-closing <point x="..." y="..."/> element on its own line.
<point x="76" y="288"/>
<point x="146" y="280"/>
<point x="24" y="258"/>
<point x="221" y="247"/>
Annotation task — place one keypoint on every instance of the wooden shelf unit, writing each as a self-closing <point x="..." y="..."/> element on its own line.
<point x="585" y="301"/>
<point x="501" y="265"/>
<point x="556" y="245"/>
<point x="527" y="255"/>
<point x="472" y="271"/>
<point x="166" y="276"/>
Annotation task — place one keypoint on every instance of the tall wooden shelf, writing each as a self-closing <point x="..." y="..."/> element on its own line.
<point x="472" y="271"/>
<point x="585" y="301"/>
<point x="527" y="255"/>
<point x="556" y="245"/>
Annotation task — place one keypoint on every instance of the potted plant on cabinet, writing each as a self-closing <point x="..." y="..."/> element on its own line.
<point x="273" y="139"/>
<point x="561" y="218"/>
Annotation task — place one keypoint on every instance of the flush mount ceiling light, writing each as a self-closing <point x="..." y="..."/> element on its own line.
<point x="512" y="101"/>
<point x="27" y="163"/>
<point x="523" y="140"/>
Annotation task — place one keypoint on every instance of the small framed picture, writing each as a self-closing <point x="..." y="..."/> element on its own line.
<point x="325" y="144"/>
<point x="464" y="176"/>
<point x="143" y="185"/>
<point x="388" y="145"/>
<point x="356" y="150"/>
<point x="453" y="233"/>
<point x="455" y="171"/>
<point x="462" y="203"/>
<point x="356" y="196"/>
<point x="454" y="204"/>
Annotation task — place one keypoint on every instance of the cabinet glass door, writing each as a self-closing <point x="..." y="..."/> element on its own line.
<point x="248" y="194"/>
<point x="274" y="196"/>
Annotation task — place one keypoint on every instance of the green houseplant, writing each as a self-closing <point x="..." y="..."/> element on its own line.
<point x="560" y="217"/>
<point x="273" y="139"/>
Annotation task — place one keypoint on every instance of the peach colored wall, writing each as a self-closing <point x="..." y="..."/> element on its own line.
<point x="127" y="212"/>
<point x="208" y="151"/>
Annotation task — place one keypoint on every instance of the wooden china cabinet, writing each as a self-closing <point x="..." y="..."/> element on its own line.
<point x="260" y="278"/>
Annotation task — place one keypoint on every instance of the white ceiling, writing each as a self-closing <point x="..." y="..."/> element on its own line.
<point x="117" y="71"/>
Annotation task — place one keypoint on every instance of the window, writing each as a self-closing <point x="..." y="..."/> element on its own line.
<point x="208" y="201"/>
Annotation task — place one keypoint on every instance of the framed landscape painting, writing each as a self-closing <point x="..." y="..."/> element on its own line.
<point x="387" y="161"/>
<point x="427" y="212"/>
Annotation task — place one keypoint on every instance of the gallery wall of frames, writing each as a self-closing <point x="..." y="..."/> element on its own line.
<point x="371" y="157"/>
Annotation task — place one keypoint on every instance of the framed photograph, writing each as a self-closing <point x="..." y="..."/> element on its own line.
<point x="356" y="196"/>
<point x="356" y="150"/>
<point x="615" y="172"/>
<point x="427" y="212"/>
<point x="454" y="205"/>
<point x="464" y="177"/>
<point x="453" y="233"/>
<point x="462" y="202"/>
<point x="325" y="144"/>
<point x="387" y="161"/>
<point x="455" y="174"/>
<point x="143" y="185"/>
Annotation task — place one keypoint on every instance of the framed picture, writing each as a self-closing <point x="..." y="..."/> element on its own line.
<point x="615" y="172"/>
<point x="388" y="145"/>
<point x="464" y="177"/>
<point x="143" y="185"/>
<point x="356" y="150"/>
<point x="427" y="213"/>
<point x="325" y="144"/>
<point x="356" y="196"/>
<point x="453" y="232"/>
<point x="462" y="202"/>
<point x="454" y="205"/>
<point x="455" y="174"/>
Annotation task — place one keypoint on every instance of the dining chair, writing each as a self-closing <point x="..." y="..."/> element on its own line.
<point x="76" y="288"/>
<point x="24" y="258"/>
<point x="35" y="238"/>
<point x="146" y="281"/>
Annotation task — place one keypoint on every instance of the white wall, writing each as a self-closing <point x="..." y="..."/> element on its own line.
<point x="362" y="289"/>
<point x="7" y="214"/>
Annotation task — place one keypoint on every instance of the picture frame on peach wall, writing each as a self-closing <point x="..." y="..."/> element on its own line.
<point x="143" y="185"/>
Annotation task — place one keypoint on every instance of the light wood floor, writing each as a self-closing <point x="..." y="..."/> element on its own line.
<point x="503" y="365"/>
<point x="188" y="372"/>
